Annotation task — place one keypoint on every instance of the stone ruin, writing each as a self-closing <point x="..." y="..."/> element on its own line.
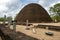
<point x="35" y="13"/>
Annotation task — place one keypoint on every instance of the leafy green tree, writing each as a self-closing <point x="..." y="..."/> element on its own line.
<point x="7" y="18"/>
<point x="15" y="16"/>
<point x="55" y="10"/>
<point x="1" y="19"/>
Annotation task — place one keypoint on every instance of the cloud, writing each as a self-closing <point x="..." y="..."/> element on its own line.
<point x="4" y="1"/>
<point x="2" y="8"/>
<point x="48" y="3"/>
<point x="12" y="7"/>
<point x="9" y="7"/>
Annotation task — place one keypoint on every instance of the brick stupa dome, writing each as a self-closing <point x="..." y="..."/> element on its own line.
<point x="35" y="13"/>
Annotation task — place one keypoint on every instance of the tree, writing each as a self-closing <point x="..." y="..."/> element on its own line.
<point x="55" y="10"/>
<point x="15" y="16"/>
<point x="1" y="19"/>
<point x="7" y="18"/>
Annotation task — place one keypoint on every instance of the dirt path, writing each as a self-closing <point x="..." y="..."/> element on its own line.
<point x="0" y="38"/>
<point x="40" y="33"/>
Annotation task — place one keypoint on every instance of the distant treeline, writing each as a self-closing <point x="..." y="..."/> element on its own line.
<point x="55" y="12"/>
<point x="7" y="18"/>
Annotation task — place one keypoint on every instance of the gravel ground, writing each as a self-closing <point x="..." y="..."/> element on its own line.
<point x="0" y="38"/>
<point x="39" y="33"/>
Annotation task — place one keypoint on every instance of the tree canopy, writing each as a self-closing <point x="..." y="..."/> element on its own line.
<point x="7" y="18"/>
<point x="55" y="10"/>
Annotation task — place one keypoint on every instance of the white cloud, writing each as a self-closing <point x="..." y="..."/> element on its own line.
<point x="3" y="5"/>
<point x="4" y="1"/>
<point x="48" y="3"/>
<point x="8" y="7"/>
<point x="12" y="7"/>
<point x="2" y="8"/>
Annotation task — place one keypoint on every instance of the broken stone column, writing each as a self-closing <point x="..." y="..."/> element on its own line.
<point x="27" y="28"/>
<point x="4" y="20"/>
<point x="34" y="29"/>
<point x="27" y="23"/>
<point x="55" y="20"/>
<point x="48" y="32"/>
<point x="9" y="22"/>
<point x="47" y="28"/>
<point x="14" y="25"/>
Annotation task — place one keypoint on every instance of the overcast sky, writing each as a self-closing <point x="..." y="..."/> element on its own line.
<point x="12" y="7"/>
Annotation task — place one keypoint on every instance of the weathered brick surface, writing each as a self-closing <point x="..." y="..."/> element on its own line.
<point x="35" y="13"/>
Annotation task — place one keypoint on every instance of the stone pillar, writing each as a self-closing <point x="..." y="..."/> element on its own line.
<point x="34" y="29"/>
<point x="55" y="20"/>
<point x="47" y="28"/>
<point x="9" y="23"/>
<point x="14" y="26"/>
<point x="27" y="25"/>
<point x="4" y="20"/>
